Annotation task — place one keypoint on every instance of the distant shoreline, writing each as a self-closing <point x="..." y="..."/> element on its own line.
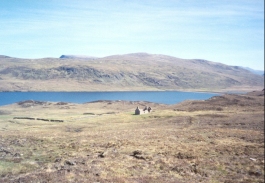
<point x="194" y="91"/>
<point x="163" y="97"/>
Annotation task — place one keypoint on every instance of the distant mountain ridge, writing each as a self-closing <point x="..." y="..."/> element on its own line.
<point x="4" y="56"/>
<point x="129" y="72"/>
<point x="258" y="72"/>
<point x="77" y="57"/>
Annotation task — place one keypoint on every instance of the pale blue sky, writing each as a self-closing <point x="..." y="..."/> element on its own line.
<point x="230" y="32"/>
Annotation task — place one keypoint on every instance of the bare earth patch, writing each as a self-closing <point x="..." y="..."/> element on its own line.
<point x="217" y="140"/>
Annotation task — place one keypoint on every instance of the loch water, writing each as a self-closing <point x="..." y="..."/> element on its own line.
<point x="165" y="97"/>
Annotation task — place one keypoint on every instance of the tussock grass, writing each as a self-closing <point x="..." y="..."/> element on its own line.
<point x="114" y="145"/>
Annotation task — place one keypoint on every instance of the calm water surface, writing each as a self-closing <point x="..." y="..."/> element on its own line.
<point x="165" y="97"/>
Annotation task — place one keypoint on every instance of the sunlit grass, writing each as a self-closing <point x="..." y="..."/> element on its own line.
<point x="171" y="144"/>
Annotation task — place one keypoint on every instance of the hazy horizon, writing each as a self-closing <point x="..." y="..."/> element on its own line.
<point x="229" y="32"/>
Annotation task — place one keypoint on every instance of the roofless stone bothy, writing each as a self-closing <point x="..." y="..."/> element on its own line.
<point x="139" y="111"/>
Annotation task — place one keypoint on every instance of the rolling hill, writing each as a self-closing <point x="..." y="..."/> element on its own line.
<point x="136" y="71"/>
<point x="259" y="72"/>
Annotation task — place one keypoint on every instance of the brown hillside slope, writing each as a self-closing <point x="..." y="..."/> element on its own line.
<point x="139" y="71"/>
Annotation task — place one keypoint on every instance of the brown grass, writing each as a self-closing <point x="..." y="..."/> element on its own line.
<point x="171" y="144"/>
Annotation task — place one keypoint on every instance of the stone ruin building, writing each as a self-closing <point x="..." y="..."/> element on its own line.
<point x="139" y="111"/>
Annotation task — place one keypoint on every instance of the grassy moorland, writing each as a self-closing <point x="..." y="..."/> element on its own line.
<point x="217" y="140"/>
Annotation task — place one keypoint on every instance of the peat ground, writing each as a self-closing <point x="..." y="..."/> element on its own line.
<point x="217" y="140"/>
